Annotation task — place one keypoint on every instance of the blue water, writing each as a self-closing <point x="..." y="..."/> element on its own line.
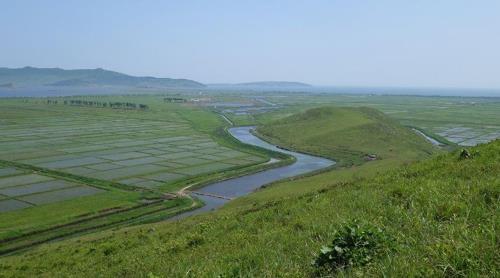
<point x="246" y="184"/>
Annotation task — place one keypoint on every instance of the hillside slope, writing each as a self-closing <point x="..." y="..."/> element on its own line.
<point x="29" y="76"/>
<point x="347" y="135"/>
<point x="439" y="217"/>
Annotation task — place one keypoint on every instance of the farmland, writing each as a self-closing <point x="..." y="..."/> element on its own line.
<point x="19" y="189"/>
<point x="70" y="170"/>
<point x="438" y="216"/>
<point x="137" y="152"/>
<point x="87" y="168"/>
<point x="466" y="121"/>
<point x="171" y="145"/>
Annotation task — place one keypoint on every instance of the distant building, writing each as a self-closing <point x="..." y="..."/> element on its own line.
<point x="203" y="99"/>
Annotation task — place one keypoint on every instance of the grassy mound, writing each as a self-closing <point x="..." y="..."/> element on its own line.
<point x="347" y="135"/>
<point x="439" y="217"/>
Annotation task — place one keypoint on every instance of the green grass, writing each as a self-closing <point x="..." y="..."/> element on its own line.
<point x="441" y="217"/>
<point x="347" y="135"/>
<point x="117" y="217"/>
<point x="434" y="115"/>
<point x="56" y="212"/>
<point x="18" y="222"/>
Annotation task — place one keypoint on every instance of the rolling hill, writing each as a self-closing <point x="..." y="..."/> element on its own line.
<point x="30" y="76"/>
<point x="346" y="134"/>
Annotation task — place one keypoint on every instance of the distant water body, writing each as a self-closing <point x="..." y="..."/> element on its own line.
<point x="244" y="185"/>
<point x="53" y="91"/>
<point x="427" y="91"/>
<point x="463" y="92"/>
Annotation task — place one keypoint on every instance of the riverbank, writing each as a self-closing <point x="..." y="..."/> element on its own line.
<point x="217" y="194"/>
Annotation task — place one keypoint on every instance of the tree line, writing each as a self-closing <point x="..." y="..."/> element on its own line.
<point x="88" y="103"/>
<point x="174" y="99"/>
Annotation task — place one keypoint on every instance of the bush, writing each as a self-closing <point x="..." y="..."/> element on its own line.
<point x="465" y="154"/>
<point x="353" y="245"/>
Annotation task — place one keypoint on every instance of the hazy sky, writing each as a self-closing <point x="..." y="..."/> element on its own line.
<point x="362" y="43"/>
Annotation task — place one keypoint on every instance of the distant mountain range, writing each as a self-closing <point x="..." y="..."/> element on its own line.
<point x="27" y="77"/>
<point x="30" y="76"/>
<point x="7" y="85"/>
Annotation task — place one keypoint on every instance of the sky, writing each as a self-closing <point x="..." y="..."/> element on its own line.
<point x="400" y="43"/>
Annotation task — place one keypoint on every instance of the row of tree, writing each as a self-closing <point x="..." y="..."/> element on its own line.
<point x="174" y="99"/>
<point x="119" y="105"/>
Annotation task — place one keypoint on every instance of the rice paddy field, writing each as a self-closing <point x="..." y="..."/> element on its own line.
<point x="466" y="121"/>
<point x="19" y="189"/>
<point x="60" y="164"/>
<point x="137" y="152"/>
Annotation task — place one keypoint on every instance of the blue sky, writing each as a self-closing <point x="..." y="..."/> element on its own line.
<point x="438" y="43"/>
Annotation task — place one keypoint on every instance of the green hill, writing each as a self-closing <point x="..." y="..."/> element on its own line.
<point x="30" y="76"/>
<point x="347" y="135"/>
<point x="438" y="217"/>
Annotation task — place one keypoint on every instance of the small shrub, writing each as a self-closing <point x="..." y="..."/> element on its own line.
<point x="195" y="240"/>
<point x="353" y="245"/>
<point x="465" y="154"/>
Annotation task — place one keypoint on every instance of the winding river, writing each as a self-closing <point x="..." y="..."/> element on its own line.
<point x="243" y="185"/>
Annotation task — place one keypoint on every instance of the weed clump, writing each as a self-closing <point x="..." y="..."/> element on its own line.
<point x="353" y="245"/>
<point x="465" y="154"/>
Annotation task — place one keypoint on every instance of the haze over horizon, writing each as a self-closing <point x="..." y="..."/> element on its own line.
<point x="334" y="43"/>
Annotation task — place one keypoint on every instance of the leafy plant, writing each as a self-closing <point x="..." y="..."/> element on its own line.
<point x="353" y="245"/>
<point x="465" y="154"/>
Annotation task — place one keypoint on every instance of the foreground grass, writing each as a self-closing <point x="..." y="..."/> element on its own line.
<point x="440" y="218"/>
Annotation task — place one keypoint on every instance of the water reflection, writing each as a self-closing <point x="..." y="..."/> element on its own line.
<point x="246" y="184"/>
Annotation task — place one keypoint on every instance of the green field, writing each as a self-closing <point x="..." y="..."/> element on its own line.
<point x="438" y="217"/>
<point x="67" y="171"/>
<point x="22" y="190"/>
<point x="347" y="135"/>
<point x="71" y="166"/>
<point x="463" y="120"/>
<point x="113" y="146"/>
